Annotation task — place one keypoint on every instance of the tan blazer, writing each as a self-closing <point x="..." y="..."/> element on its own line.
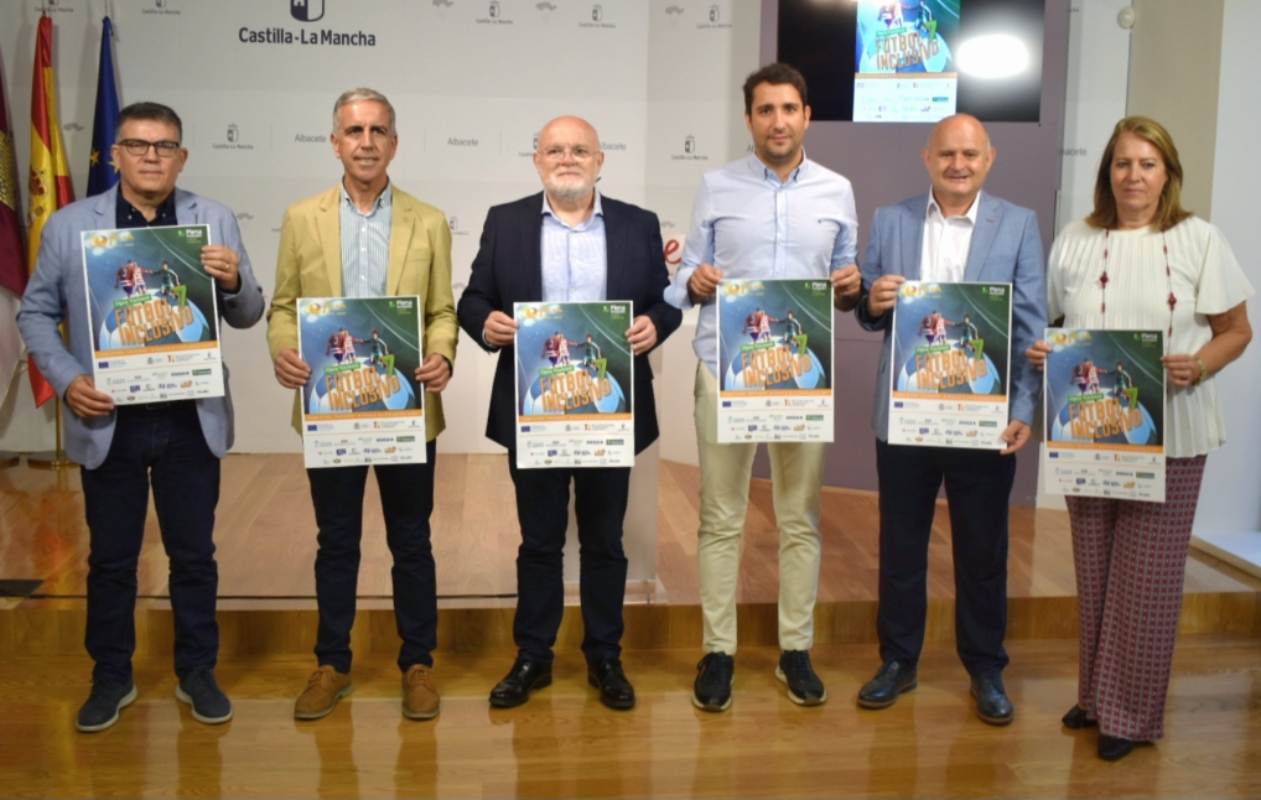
<point x="310" y="265"/>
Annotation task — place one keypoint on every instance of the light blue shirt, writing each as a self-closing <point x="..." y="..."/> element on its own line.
<point x="575" y="260"/>
<point x="365" y="244"/>
<point x="749" y="224"/>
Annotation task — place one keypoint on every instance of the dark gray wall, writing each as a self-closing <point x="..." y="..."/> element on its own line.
<point x="1027" y="173"/>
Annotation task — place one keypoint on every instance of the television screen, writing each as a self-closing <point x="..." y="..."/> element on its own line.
<point x="916" y="60"/>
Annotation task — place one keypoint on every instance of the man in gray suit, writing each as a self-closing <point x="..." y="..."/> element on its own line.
<point x="955" y="233"/>
<point x="175" y="445"/>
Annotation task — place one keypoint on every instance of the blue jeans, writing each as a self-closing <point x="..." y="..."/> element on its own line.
<point x="406" y="501"/>
<point x="160" y="445"/>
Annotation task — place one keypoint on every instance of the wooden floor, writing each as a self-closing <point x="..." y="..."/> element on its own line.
<point x="563" y="743"/>
<point x="266" y="542"/>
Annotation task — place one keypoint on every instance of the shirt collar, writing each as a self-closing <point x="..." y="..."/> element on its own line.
<point x="128" y="216"/>
<point x="597" y="211"/>
<point x="970" y="216"/>
<point x="759" y="169"/>
<point x="384" y="200"/>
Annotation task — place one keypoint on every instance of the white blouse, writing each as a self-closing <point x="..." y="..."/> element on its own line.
<point x="1206" y="279"/>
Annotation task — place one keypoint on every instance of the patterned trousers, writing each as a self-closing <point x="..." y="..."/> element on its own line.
<point x="1130" y="558"/>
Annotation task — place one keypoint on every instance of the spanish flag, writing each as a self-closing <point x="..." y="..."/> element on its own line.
<point x="50" y="175"/>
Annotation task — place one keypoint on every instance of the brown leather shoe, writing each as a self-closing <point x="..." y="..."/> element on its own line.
<point x="420" y="696"/>
<point x="323" y="689"/>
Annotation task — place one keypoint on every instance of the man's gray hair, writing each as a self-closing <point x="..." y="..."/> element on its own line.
<point x="359" y="95"/>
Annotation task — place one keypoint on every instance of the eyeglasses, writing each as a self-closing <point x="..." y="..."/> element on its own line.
<point x="140" y="147"/>
<point x="578" y="153"/>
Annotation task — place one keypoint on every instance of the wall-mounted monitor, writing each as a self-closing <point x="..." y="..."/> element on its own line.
<point x="916" y="60"/>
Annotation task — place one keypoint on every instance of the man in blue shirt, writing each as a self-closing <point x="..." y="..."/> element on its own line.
<point x="772" y="214"/>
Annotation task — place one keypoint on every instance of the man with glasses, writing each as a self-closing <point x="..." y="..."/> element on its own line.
<point x="568" y="243"/>
<point x="175" y="446"/>
<point x="365" y="237"/>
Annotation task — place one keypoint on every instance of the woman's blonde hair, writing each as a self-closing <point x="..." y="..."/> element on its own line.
<point x="1169" y="210"/>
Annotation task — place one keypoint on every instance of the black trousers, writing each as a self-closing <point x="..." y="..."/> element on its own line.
<point x="600" y="497"/>
<point x="978" y="486"/>
<point x="406" y="501"/>
<point x="160" y="445"/>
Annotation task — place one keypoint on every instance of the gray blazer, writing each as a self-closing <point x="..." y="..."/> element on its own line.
<point x="1006" y="247"/>
<point x="56" y="293"/>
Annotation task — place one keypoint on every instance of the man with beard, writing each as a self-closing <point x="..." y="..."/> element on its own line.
<point x="568" y="243"/>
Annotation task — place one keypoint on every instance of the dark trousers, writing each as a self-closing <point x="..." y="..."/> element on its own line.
<point x="160" y="445"/>
<point x="600" y="496"/>
<point x="978" y="485"/>
<point x="406" y="501"/>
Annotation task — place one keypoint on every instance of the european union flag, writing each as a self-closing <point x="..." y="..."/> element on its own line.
<point x="102" y="173"/>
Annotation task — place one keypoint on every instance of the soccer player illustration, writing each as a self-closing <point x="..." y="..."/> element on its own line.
<point x="172" y="286"/>
<point x="341" y="346"/>
<point x="1086" y="377"/>
<point x="593" y="357"/>
<point x="934" y="327"/>
<point x="556" y="349"/>
<point x="378" y="350"/>
<point x="1124" y="386"/>
<point x="131" y="278"/>
<point x="793" y="332"/>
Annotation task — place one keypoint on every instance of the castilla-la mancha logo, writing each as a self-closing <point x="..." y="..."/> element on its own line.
<point x="306" y="10"/>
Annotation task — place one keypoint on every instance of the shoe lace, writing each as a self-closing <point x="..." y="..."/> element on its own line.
<point x="420" y="675"/>
<point x="719" y="665"/>
<point x="198" y="682"/>
<point x="317" y="679"/>
<point x="797" y="661"/>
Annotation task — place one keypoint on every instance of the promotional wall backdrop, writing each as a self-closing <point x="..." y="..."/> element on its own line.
<point x="472" y="81"/>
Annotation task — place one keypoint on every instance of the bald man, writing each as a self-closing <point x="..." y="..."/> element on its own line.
<point x="568" y="243"/>
<point x="954" y="233"/>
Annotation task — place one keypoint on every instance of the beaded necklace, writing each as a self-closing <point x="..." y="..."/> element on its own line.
<point x="1171" y="300"/>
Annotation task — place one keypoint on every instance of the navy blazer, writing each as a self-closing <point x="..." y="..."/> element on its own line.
<point x="1006" y="248"/>
<point x="509" y="269"/>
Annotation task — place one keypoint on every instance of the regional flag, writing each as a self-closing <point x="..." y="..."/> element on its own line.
<point x="50" y="175"/>
<point x="12" y="259"/>
<point x="102" y="171"/>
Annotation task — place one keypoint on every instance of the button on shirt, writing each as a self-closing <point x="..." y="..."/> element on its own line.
<point x="365" y="245"/>
<point x="944" y="253"/>
<point x="750" y="224"/>
<point x="575" y="259"/>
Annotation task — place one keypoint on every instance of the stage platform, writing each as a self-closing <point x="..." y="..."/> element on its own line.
<point x="563" y="743"/>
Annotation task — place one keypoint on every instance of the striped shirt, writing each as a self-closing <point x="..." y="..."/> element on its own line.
<point x="365" y="244"/>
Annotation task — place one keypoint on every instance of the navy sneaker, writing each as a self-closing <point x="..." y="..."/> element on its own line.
<point x="100" y="711"/>
<point x="804" y="686"/>
<point x="209" y="704"/>
<point x="712" y="690"/>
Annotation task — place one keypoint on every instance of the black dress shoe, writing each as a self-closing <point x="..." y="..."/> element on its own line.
<point x="616" y="691"/>
<point x="524" y="677"/>
<point x="892" y="679"/>
<point x="1113" y="748"/>
<point x="1077" y="718"/>
<point x="992" y="704"/>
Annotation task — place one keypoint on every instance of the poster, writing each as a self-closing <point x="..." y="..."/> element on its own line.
<point x="905" y="69"/>
<point x="153" y="312"/>
<point x="574" y="384"/>
<point x="1104" y="414"/>
<point x="950" y="365"/>
<point x="775" y="360"/>
<point x="361" y="404"/>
